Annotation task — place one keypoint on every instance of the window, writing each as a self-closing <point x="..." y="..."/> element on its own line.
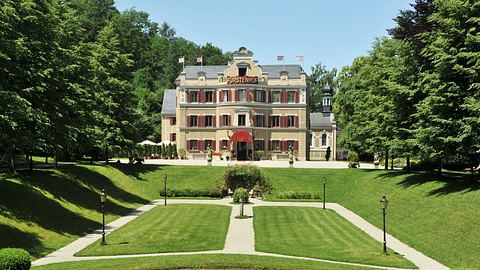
<point x="259" y="96"/>
<point x="173" y="121"/>
<point x="193" y="145"/>
<point x="276" y="145"/>
<point x="275" y="96"/>
<point x="259" y="120"/>
<point x="312" y="142"/>
<point x="208" y="96"/>
<point x="291" y="144"/>
<point x="225" y="121"/>
<point x="242" y="120"/>
<point x="324" y="140"/>
<point x="241" y="95"/>
<point x="275" y="121"/>
<point x="173" y="137"/>
<point x="259" y="145"/>
<point x="208" y="121"/>
<point x="193" y="120"/>
<point x="224" y="95"/>
<point x="194" y="96"/>
<point x="242" y="71"/>
<point x="209" y="143"/>
<point x="224" y="144"/>
<point x="291" y="96"/>
<point x="290" y="121"/>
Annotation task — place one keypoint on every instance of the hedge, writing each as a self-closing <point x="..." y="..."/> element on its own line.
<point x="14" y="259"/>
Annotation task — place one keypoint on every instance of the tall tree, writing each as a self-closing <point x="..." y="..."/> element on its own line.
<point x="316" y="82"/>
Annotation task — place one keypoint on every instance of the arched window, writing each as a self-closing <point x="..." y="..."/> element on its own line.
<point x="324" y="140"/>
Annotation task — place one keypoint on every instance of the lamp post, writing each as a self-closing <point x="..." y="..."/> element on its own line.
<point x="165" y="187"/>
<point x="241" y="207"/>
<point x="324" y="190"/>
<point x="384" y="204"/>
<point x="103" y="199"/>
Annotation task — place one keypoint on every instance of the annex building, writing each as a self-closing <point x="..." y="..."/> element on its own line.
<point x="247" y="111"/>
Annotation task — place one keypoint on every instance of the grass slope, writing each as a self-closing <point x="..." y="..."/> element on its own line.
<point x="317" y="233"/>
<point x="199" y="262"/>
<point x="171" y="228"/>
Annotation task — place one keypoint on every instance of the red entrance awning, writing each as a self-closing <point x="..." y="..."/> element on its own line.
<point x="241" y="136"/>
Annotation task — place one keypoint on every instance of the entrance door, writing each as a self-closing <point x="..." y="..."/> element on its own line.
<point x="241" y="151"/>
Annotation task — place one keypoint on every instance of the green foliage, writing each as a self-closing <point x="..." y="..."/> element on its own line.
<point x="294" y="195"/>
<point x="14" y="259"/>
<point x="353" y="159"/>
<point x="246" y="176"/>
<point x="188" y="192"/>
<point x="320" y="77"/>
<point x="240" y="195"/>
<point x="182" y="153"/>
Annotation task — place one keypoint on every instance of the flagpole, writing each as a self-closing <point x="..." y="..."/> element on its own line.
<point x="283" y="64"/>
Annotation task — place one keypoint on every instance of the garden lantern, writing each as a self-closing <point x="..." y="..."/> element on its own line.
<point x="165" y="188"/>
<point x="103" y="199"/>
<point x="384" y="204"/>
<point x="324" y="190"/>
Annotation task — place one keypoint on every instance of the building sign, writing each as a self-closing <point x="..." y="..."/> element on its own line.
<point x="242" y="80"/>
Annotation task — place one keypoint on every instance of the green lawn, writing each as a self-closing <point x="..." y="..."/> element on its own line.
<point x="199" y="262"/>
<point x="171" y="228"/>
<point x="318" y="233"/>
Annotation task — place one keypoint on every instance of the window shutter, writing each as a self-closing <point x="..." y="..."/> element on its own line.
<point x="236" y="95"/>
<point x="230" y="95"/>
<point x="171" y="137"/>
<point x="269" y="97"/>
<point x="188" y="144"/>
<point x="229" y="120"/>
<point x="297" y="96"/>
<point x="214" y="145"/>
<point x="220" y="120"/>
<point x="254" y="95"/>
<point x="171" y="121"/>
<point x="282" y="122"/>
<point x="214" y="121"/>
<point x="284" y="145"/>
<point x="188" y="121"/>
<point x="201" y="96"/>
<point x="201" y="121"/>
<point x="295" y="145"/>
<point x="269" y="145"/>
<point x="189" y="96"/>
<point x="214" y="96"/>
<point x="247" y="92"/>
<point x="282" y="96"/>
<point x="296" y="122"/>
<point x="254" y="120"/>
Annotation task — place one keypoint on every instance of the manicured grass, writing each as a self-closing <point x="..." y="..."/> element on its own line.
<point x="215" y="261"/>
<point x="317" y="233"/>
<point x="46" y="209"/>
<point x="171" y="228"/>
<point x="437" y="215"/>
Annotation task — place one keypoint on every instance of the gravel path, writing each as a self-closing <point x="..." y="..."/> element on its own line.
<point x="241" y="238"/>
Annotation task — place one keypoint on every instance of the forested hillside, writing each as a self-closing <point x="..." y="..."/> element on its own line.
<point x="81" y="78"/>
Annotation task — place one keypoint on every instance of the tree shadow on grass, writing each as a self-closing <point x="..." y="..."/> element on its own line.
<point x="20" y="239"/>
<point x="451" y="182"/>
<point x="30" y="206"/>
<point x="138" y="170"/>
<point x="69" y="188"/>
<point x="98" y="181"/>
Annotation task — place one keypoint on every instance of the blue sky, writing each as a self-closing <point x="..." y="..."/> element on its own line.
<point x="332" y="32"/>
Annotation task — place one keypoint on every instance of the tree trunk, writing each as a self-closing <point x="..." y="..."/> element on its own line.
<point x="106" y="154"/>
<point x="391" y="165"/>
<point x="46" y="159"/>
<point x="91" y="157"/>
<point x="408" y="163"/>
<point x="30" y="161"/>
<point x="13" y="169"/>
<point x="386" y="158"/>
<point x="55" y="158"/>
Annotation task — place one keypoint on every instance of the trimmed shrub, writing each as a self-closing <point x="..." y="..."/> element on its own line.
<point x="240" y="195"/>
<point x="246" y="176"/>
<point x="14" y="259"/>
<point x="187" y="192"/>
<point x="353" y="159"/>
<point x="297" y="195"/>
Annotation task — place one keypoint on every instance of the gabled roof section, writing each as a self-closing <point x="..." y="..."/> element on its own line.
<point x="321" y="120"/>
<point x="273" y="71"/>
<point x="169" y="104"/>
<point x="211" y="72"/>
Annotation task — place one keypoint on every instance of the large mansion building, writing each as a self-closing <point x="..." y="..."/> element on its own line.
<point x="244" y="108"/>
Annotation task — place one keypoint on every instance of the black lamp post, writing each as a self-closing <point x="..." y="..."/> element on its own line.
<point x="241" y="207"/>
<point x="384" y="204"/>
<point x="103" y="199"/>
<point x="165" y="187"/>
<point x="324" y="190"/>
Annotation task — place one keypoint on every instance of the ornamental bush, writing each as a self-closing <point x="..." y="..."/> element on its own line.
<point x="14" y="259"/>
<point x="240" y="195"/>
<point x="353" y="159"/>
<point x="246" y="176"/>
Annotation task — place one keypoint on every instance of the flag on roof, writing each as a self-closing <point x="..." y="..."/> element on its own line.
<point x="181" y="59"/>
<point x="300" y="58"/>
<point x="200" y="59"/>
<point x="280" y="58"/>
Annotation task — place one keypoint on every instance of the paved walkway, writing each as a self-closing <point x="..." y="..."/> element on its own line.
<point x="241" y="238"/>
<point x="262" y="163"/>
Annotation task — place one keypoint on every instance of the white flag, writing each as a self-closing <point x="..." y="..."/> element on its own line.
<point x="200" y="59"/>
<point x="300" y="58"/>
<point x="181" y="59"/>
